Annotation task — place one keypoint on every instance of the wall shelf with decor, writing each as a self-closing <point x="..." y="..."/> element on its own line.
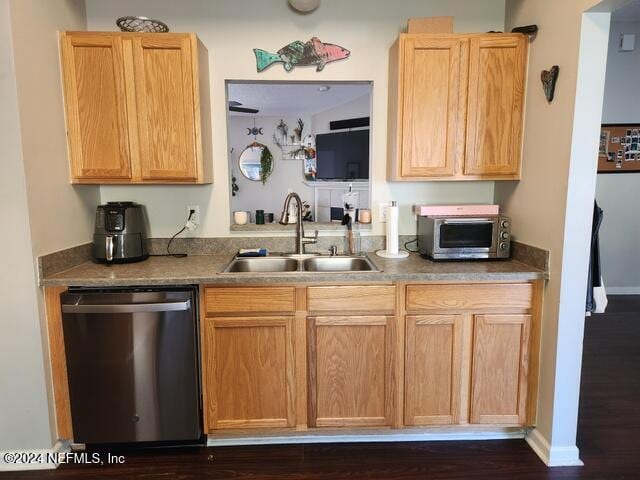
<point x="292" y="151"/>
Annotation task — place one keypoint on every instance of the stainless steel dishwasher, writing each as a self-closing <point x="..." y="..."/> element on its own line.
<point x="133" y="365"/>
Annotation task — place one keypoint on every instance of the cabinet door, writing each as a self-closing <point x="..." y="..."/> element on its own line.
<point x="249" y="372"/>
<point x="165" y="100"/>
<point x="497" y="66"/>
<point x="432" y="369"/>
<point x="95" y="103"/>
<point x="431" y="103"/>
<point x="349" y="373"/>
<point x="499" y="371"/>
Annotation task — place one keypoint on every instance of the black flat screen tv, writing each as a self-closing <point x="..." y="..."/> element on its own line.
<point x="343" y="155"/>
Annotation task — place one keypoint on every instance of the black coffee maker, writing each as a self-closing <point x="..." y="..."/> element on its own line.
<point x="120" y="234"/>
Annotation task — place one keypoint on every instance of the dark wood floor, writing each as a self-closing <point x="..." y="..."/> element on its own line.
<point x="609" y="430"/>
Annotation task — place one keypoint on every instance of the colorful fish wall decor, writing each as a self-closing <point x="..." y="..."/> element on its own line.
<point x="297" y="53"/>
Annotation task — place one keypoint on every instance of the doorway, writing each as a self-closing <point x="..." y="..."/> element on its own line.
<point x="618" y="180"/>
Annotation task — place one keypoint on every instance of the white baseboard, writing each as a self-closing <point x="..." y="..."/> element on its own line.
<point x="553" y="456"/>
<point x="371" y="436"/>
<point x="622" y="290"/>
<point x="59" y="447"/>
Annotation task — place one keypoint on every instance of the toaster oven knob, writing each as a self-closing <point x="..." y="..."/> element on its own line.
<point x="503" y="246"/>
<point x="504" y="235"/>
<point x="505" y="224"/>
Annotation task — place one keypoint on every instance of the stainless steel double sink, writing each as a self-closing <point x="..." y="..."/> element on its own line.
<point x="300" y="263"/>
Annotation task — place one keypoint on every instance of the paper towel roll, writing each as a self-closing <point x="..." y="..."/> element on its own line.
<point x="392" y="228"/>
<point x="392" y="250"/>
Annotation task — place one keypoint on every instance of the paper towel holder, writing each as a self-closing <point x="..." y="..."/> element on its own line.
<point x="392" y="217"/>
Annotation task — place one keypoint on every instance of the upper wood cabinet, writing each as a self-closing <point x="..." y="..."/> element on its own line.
<point x="456" y="106"/>
<point x="137" y="107"/>
<point x="430" y="135"/>
<point x="95" y="99"/>
<point x="497" y="67"/>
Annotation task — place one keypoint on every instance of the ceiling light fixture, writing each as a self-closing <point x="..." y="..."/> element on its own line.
<point x="304" y="6"/>
<point x="324" y="88"/>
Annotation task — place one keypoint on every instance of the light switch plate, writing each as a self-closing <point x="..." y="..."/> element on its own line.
<point x="382" y="212"/>
<point x="627" y="42"/>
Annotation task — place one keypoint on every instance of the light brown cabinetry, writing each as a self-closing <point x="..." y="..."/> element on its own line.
<point x="349" y="371"/>
<point x="137" y="107"/>
<point x="431" y="76"/>
<point x="379" y="299"/>
<point x="377" y="355"/>
<point x="248" y="357"/>
<point x="351" y="332"/>
<point x="497" y="68"/>
<point x="96" y="104"/>
<point x="432" y="369"/>
<point x="499" y="376"/>
<point x="467" y="354"/>
<point x="249" y="372"/>
<point x="455" y="106"/>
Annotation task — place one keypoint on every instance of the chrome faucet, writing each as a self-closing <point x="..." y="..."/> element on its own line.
<point x="301" y="240"/>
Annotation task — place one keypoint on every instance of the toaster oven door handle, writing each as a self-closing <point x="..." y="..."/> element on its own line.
<point x="109" y="247"/>
<point x="466" y="221"/>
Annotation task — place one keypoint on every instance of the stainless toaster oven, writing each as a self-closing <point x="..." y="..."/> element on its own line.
<point x="464" y="238"/>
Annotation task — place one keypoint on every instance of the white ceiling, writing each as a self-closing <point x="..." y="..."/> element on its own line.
<point x="274" y="99"/>
<point x="628" y="13"/>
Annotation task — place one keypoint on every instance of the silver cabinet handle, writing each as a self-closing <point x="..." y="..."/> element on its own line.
<point x="129" y="308"/>
<point x="109" y="247"/>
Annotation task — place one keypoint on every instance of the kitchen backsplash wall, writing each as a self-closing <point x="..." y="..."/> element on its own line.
<point x="232" y="29"/>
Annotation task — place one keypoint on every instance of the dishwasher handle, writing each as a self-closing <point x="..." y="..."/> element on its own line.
<point x="128" y="308"/>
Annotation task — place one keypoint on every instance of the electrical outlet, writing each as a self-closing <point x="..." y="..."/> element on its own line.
<point x="194" y="221"/>
<point x="382" y="212"/>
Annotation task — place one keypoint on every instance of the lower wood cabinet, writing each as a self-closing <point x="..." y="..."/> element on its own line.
<point x="432" y="369"/>
<point x="499" y="375"/>
<point x="376" y="355"/>
<point x="349" y="371"/>
<point x="249" y="372"/>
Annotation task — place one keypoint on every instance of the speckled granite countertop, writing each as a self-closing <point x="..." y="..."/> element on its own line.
<point x="204" y="269"/>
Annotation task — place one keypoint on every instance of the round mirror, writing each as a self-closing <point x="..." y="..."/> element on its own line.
<point x="251" y="163"/>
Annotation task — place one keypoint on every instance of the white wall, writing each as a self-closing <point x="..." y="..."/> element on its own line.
<point x="60" y="215"/>
<point x="357" y="108"/>
<point x="24" y="421"/>
<point x="617" y="195"/>
<point x="622" y="94"/>
<point x="559" y="163"/>
<point x="231" y="29"/>
<point x="287" y="174"/>
<point x="44" y="213"/>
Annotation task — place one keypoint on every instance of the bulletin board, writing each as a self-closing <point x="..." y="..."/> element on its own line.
<point x="619" y="150"/>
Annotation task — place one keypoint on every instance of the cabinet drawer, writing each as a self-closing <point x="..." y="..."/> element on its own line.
<point x="469" y="297"/>
<point x="249" y="299"/>
<point x="379" y="299"/>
